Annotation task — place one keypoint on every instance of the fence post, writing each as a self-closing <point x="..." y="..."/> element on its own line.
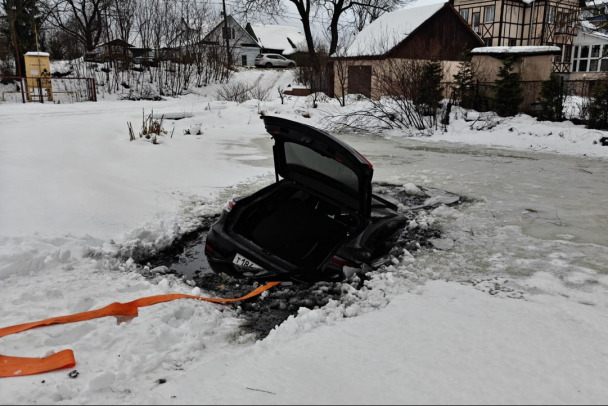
<point x="22" y="82"/>
<point x="93" y="90"/>
<point x="39" y="83"/>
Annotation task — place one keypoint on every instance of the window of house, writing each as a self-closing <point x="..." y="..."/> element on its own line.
<point x="590" y="58"/>
<point x="558" y="58"/>
<point x="464" y="13"/>
<point x="489" y="16"/>
<point x="475" y="22"/>
<point x="564" y="21"/>
<point x="593" y="64"/>
<point x="551" y="14"/>
<point x="568" y="53"/>
<point x="230" y="33"/>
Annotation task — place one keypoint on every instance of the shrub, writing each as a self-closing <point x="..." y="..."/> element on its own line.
<point x="428" y="92"/>
<point x="551" y="99"/>
<point x="598" y="106"/>
<point x="508" y="93"/>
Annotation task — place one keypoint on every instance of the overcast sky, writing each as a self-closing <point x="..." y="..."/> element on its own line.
<point x="320" y="22"/>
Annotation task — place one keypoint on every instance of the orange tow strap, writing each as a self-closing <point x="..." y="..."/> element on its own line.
<point x="18" y="366"/>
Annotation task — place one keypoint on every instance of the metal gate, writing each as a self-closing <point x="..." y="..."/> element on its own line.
<point x="31" y="89"/>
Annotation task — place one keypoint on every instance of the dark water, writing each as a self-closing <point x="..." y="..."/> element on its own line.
<point x="187" y="258"/>
<point x="187" y="255"/>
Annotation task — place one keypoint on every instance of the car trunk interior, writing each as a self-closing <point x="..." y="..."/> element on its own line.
<point x="295" y="225"/>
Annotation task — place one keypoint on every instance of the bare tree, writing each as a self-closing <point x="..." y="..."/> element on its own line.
<point x="336" y="9"/>
<point x="83" y="19"/>
<point x="339" y="73"/>
<point x="121" y="19"/>
<point x="395" y="83"/>
<point x="277" y="8"/>
<point x="367" y="11"/>
<point x="307" y="9"/>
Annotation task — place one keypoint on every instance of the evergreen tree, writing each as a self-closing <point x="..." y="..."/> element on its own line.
<point x="428" y="92"/>
<point x="598" y="107"/>
<point x="508" y="93"/>
<point x="464" y="91"/>
<point x="551" y="99"/>
<point x="24" y="19"/>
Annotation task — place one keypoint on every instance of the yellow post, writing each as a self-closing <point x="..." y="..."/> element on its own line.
<point x="38" y="73"/>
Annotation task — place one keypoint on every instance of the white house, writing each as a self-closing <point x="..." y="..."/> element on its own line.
<point x="589" y="57"/>
<point x="241" y="44"/>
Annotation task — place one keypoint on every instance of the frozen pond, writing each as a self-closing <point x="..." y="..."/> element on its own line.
<point x="529" y="213"/>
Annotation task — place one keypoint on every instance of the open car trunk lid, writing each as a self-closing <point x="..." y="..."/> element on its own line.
<point x="322" y="163"/>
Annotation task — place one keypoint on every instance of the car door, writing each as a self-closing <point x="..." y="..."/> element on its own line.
<point x="322" y="163"/>
<point x="281" y="61"/>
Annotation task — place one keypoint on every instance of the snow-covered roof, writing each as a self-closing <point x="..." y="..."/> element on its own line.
<point x="390" y="29"/>
<point x="289" y="39"/>
<point x="545" y="49"/>
<point x="588" y="28"/>
<point x="595" y="4"/>
<point x="37" y="53"/>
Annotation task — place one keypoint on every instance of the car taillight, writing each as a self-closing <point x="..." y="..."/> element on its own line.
<point x="339" y="261"/>
<point x="208" y="248"/>
<point x="229" y="206"/>
<point x="364" y="158"/>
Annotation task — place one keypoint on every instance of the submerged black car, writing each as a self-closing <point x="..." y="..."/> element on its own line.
<point x="318" y="221"/>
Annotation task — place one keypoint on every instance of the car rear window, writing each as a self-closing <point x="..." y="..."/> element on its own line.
<point x="296" y="154"/>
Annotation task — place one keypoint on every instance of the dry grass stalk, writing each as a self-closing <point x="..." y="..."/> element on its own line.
<point x="131" y="134"/>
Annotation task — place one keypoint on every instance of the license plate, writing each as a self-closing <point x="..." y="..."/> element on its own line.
<point x="243" y="262"/>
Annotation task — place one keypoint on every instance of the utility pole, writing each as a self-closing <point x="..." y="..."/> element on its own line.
<point x="17" y="56"/>
<point x="227" y="35"/>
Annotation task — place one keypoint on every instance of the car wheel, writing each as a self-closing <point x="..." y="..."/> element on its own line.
<point x="291" y="65"/>
<point x="268" y="65"/>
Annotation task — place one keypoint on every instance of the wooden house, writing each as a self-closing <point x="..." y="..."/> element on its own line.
<point x="525" y="23"/>
<point x="433" y="32"/>
<point x="112" y="50"/>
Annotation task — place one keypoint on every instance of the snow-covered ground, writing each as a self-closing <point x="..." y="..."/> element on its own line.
<point x="515" y="312"/>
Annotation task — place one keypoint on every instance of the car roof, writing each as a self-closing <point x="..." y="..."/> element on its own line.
<point x="322" y="163"/>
